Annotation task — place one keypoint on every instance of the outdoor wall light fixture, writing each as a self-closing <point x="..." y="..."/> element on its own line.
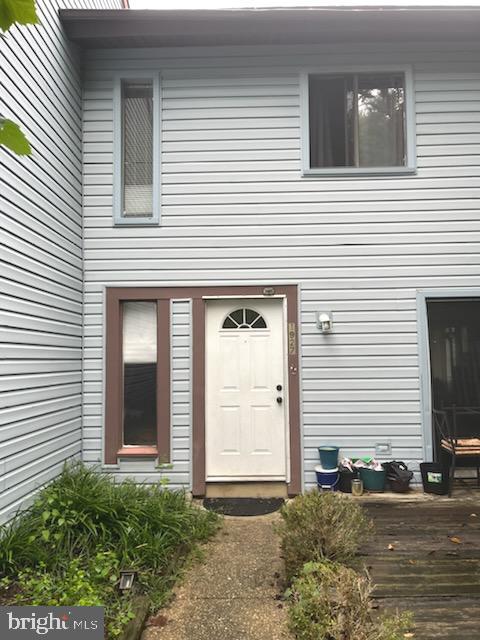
<point x="127" y="576"/>
<point x="324" y="321"/>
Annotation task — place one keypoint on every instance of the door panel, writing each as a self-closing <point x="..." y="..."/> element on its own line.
<point x="245" y="425"/>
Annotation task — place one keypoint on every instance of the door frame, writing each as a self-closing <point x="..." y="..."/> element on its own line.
<point x="423" y="295"/>
<point x="293" y="444"/>
<point x="282" y="306"/>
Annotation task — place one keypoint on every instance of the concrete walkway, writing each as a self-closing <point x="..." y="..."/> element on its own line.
<point x="233" y="594"/>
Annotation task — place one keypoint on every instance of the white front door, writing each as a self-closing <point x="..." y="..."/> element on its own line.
<point x="245" y="390"/>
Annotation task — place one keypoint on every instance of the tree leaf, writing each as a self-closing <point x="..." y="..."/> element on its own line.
<point x="17" y="11"/>
<point x="455" y="540"/>
<point x="46" y="534"/>
<point x="12" y="137"/>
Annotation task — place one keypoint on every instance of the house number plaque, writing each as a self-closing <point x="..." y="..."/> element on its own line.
<point x="292" y="339"/>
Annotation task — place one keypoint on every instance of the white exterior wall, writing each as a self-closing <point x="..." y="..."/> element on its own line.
<point x="235" y="210"/>
<point x="41" y="257"/>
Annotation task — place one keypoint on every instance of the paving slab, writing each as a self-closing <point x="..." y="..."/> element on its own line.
<point x="234" y="594"/>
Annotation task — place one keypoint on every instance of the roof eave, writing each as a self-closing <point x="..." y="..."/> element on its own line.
<point x="137" y="28"/>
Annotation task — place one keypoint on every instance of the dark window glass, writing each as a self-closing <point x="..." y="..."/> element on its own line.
<point x="139" y="373"/>
<point x="357" y="120"/>
<point x="454" y="342"/>
<point x="244" y="319"/>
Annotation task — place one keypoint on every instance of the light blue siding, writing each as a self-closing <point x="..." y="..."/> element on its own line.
<point x="235" y="210"/>
<point x="41" y="257"/>
<point x="181" y="348"/>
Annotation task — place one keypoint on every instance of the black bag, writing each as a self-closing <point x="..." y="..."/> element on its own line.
<point x="398" y="476"/>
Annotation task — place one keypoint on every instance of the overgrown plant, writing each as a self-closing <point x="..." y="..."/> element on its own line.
<point x="321" y="526"/>
<point x="329" y="601"/>
<point x="69" y="546"/>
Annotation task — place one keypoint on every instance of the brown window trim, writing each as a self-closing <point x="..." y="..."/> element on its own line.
<point x="197" y="295"/>
<point x="114" y="447"/>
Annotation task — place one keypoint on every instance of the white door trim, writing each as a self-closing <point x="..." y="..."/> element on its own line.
<point x="424" y="357"/>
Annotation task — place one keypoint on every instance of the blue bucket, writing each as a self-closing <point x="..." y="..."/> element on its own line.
<point x="328" y="456"/>
<point x="327" y="479"/>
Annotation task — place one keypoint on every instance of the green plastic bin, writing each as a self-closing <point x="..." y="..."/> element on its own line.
<point x="373" y="481"/>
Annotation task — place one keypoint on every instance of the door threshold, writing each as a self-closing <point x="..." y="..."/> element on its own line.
<point x="246" y="490"/>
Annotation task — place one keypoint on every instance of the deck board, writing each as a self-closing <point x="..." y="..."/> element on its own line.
<point x="427" y="573"/>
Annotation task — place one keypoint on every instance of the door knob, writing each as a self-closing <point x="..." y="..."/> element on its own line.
<point x="279" y="400"/>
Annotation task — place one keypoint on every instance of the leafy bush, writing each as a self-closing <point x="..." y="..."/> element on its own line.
<point x="329" y="601"/>
<point x="321" y="526"/>
<point x="90" y="584"/>
<point x="83" y="528"/>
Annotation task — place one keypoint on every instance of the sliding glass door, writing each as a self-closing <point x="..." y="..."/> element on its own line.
<point x="454" y="340"/>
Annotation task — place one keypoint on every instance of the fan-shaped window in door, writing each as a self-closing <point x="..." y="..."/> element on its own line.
<point x="244" y="319"/>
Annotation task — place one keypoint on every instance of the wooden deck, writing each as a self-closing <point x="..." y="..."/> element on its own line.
<point x="434" y="567"/>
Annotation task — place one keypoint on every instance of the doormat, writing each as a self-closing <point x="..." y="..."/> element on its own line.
<point x="243" y="506"/>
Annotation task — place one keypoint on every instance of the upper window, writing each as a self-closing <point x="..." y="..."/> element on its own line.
<point x="137" y="148"/>
<point x="357" y="123"/>
<point x="136" y="152"/>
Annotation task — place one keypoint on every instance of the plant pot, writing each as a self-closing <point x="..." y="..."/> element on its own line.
<point x="327" y="479"/>
<point x="434" y="478"/>
<point x="345" y="480"/>
<point x="328" y="457"/>
<point x="373" y="481"/>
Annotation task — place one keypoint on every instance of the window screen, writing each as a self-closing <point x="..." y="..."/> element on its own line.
<point x="357" y="120"/>
<point x="137" y="148"/>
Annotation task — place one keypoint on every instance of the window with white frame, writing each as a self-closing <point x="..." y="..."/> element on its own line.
<point x="357" y="122"/>
<point x="135" y="158"/>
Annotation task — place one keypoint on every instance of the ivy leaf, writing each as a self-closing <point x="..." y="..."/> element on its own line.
<point x="17" y="11"/>
<point x="12" y="137"/>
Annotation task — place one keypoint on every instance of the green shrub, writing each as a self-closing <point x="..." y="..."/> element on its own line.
<point x="83" y="528"/>
<point x="329" y="601"/>
<point x="321" y="526"/>
<point x="83" y="512"/>
<point x="78" y="584"/>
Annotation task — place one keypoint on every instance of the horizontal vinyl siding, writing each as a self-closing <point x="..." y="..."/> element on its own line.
<point x="41" y="258"/>
<point x="181" y="346"/>
<point x="235" y="210"/>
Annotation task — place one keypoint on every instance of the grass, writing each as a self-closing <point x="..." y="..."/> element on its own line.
<point x="83" y="528"/>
